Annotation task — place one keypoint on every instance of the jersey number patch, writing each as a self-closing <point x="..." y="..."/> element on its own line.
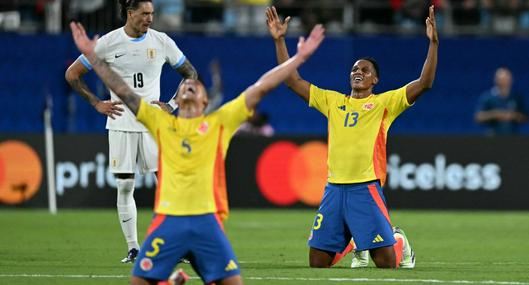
<point x="138" y="80"/>
<point x="186" y="145"/>
<point x="156" y="243"/>
<point x="351" y="119"/>
<point x="318" y="221"/>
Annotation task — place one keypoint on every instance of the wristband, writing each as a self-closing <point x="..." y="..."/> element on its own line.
<point x="173" y="104"/>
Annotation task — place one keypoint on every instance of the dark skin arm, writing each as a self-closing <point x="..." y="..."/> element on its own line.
<point x="425" y="82"/>
<point x="109" y="77"/>
<point x="278" y="29"/>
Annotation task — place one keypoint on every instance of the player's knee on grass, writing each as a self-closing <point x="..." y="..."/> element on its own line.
<point x="320" y="259"/>
<point x="384" y="257"/>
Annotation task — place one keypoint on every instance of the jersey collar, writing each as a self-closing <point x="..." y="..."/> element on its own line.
<point x="136" y="40"/>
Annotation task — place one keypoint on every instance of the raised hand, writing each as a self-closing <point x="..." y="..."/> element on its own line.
<point x="109" y="108"/>
<point x="307" y="47"/>
<point x="83" y="43"/>
<point x="431" y="27"/>
<point x="276" y="27"/>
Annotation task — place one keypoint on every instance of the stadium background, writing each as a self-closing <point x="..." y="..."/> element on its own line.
<point x="38" y="48"/>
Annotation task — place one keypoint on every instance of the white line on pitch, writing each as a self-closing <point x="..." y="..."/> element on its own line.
<point x="64" y="276"/>
<point x="492" y="282"/>
<point x="488" y="282"/>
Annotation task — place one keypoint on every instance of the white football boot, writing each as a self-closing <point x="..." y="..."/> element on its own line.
<point x="360" y="259"/>
<point x="408" y="256"/>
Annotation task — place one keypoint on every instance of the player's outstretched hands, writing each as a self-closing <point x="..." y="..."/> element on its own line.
<point x="431" y="27"/>
<point x="276" y="27"/>
<point x="109" y="108"/>
<point x="83" y="43"/>
<point x="307" y="47"/>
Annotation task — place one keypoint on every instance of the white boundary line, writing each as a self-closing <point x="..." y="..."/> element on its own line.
<point x="391" y="280"/>
<point x="63" y="276"/>
<point x="404" y="280"/>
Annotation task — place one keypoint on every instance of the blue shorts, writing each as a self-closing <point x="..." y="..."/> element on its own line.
<point x="199" y="238"/>
<point x="352" y="210"/>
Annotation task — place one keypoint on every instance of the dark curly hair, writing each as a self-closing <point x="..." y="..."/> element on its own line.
<point x="129" y="5"/>
<point x="374" y="63"/>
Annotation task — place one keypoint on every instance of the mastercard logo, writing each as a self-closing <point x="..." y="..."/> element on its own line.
<point x="287" y="173"/>
<point x="20" y="172"/>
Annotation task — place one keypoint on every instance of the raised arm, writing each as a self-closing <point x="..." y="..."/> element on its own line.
<point x="74" y="77"/>
<point x="278" y="29"/>
<point x="425" y="81"/>
<point x="274" y="77"/>
<point x="109" y="77"/>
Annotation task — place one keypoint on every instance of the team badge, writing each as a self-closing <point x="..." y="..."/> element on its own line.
<point x="146" y="264"/>
<point x="203" y="128"/>
<point x="151" y="53"/>
<point x="368" y="106"/>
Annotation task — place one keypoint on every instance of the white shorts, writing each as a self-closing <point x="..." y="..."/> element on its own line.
<point x="128" y="149"/>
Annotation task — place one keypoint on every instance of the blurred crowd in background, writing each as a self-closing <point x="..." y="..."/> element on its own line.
<point x="247" y="16"/>
<point x="484" y="35"/>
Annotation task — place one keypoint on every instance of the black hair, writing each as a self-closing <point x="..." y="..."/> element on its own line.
<point x="374" y="63"/>
<point x="129" y="5"/>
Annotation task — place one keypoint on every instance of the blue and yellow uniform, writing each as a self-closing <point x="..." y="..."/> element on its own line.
<point x="353" y="203"/>
<point x="191" y="198"/>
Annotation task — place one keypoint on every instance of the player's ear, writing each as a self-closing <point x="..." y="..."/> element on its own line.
<point x="375" y="80"/>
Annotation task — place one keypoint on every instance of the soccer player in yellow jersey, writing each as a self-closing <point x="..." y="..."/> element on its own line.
<point x="353" y="207"/>
<point x="191" y="198"/>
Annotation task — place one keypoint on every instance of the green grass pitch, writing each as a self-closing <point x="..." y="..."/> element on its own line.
<point x="85" y="247"/>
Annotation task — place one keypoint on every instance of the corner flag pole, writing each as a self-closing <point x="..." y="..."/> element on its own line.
<point x="50" y="156"/>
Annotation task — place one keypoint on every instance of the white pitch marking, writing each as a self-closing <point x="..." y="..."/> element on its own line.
<point x="488" y="282"/>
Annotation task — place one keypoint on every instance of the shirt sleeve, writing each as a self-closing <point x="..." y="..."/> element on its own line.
<point x="396" y="102"/>
<point x="99" y="50"/>
<point x="319" y="99"/>
<point x="173" y="55"/>
<point x="234" y="113"/>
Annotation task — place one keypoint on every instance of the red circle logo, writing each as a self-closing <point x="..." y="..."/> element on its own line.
<point x="287" y="173"/>
<point x="20" y="172"/>
<point x="146" y="264"/>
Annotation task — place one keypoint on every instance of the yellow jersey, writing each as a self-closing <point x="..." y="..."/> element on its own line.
<point x="191" y="176"/>
<point x="357" y="131"/>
